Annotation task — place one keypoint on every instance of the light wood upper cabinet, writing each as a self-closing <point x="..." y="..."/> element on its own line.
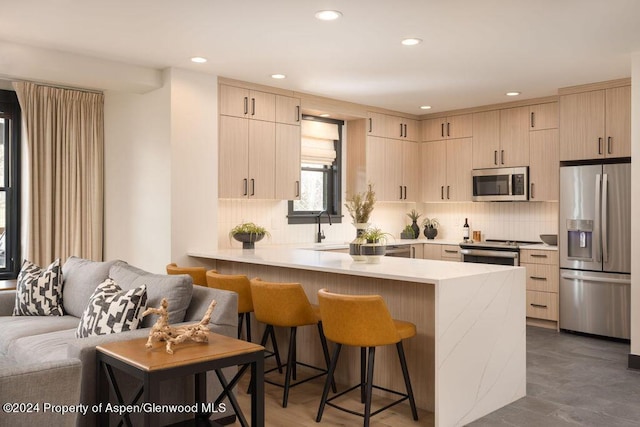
<point x="543" y="116"/>
<point x="446" y="170"/>
<point x="411" y="171"/>
<point x="453" y="127"/>
<point x="287" y="157"/>
<point x="514" y="137"/>
<point x="595" y="124"/>
<point x="544" y="169"/>
<point x="392" y="166"/>
<point x="288" y="110"/>
<point x="375" y="166"/>
<point x="251" y="104"/>
<point x="411" y="130"/>
<point x="246" y="158"/>
<point x="486" y="139"/>
<point x="395" y="127"/>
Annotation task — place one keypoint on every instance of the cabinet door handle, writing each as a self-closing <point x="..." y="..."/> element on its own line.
<point x="405" y="130"/>
<point x="253" y="106"/>
<point x="401" y="192"/>
<point x="297" y="188"/>
<point x="297" y="113"/>
<point x="253" y="187"/>
<point x="245" y="185"/>
<point x="450" y="251"/>
<point x="413" y="252"/>
<point x="495" y="157"/>
<point x="370" y="125"/>
<point x="442" y="130"/>
<point x="405" y="192"/>
<point x="502" y="157"/>
<point x="538" y="305"/>
<point x="246" y="106"/>
<point x="401" y="135"/>
<point x="448" y="126"/>
<point x="609" y="145"/>
<point x="447" y="192"/>
<point x="538" y="278"/>
<point x="531" y="191"/>
<point x="538" y="256"/>
<point x="442" y="192"/>
<point x="533" y="119"/>
<point x="599" y="145"/>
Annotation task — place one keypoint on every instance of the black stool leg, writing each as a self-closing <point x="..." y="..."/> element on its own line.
<point x="367" y="402"/>
<point x="274" y="343"/>
<point x="248" y="316"/>
<point x="240" y="319"/>
<point x="325" y="351"/>
<point x="290" y="365"/>
<point x="363" y="373"/>
<point x="328" y="381"/>
<point x="407" y="381"/>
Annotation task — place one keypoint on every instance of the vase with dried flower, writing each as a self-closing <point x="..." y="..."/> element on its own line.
<point x="430" y="228"/>
<point x="360" y="205"/>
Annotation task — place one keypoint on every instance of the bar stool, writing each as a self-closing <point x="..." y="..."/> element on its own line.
<point x="363" y="321"/>
<point x="286" y="305"/>
<point x="239" y="284"/>
<point x="196" y="273"/>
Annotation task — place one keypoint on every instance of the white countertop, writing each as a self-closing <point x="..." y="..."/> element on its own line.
<point x="403" y="269"/>
<point x="540" y="246"/>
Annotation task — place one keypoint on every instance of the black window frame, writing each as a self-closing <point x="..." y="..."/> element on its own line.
<point x="334" y="184"/>
<point x="10" y="107"/>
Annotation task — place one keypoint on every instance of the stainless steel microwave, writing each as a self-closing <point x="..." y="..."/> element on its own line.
<point x="500" y="184"/>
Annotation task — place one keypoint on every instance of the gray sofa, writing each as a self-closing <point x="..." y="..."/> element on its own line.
<point x="41" y="360"/>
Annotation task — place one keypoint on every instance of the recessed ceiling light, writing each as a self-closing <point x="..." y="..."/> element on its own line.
<point x="198" y="60"/>
<point x="325" y="115"/>
<point x="328" y="15"/>
<point x="425" y="107"/>
<point x="278" y="76"/>
<point x="514" y="93"/>
<point x="411" y="41"/>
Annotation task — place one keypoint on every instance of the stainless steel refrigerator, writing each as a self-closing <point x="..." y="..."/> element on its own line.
<point x="595" y="249"/>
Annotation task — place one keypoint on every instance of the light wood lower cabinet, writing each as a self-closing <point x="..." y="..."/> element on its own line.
<point x="542" y="286"/>
<point x="450" y="253"/>
<point x="431" y="251"/>
<point x="417" y="251"/>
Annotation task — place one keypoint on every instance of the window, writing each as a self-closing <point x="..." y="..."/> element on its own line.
<point x="320" y="175"/>
<point x="9" y="185"/>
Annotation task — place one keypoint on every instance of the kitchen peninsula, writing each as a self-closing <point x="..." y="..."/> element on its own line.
<point x="469" y="356"/>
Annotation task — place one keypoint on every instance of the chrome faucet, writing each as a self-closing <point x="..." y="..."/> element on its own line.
<point x="320" y="232"/>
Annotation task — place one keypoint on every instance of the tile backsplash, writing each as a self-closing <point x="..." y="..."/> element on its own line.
<point x="508" y="220"/>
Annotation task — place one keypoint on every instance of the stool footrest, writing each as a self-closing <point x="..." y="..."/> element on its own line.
<point x="361" y="414"/>
<point x="322" y="372"/>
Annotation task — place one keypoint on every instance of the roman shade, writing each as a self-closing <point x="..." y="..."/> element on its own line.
<point x="318" y="142"/>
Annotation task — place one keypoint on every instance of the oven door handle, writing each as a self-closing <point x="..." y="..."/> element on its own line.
<point x="497" y="254"/>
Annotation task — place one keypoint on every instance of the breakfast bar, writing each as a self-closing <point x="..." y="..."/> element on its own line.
<point x="469" y="355"/>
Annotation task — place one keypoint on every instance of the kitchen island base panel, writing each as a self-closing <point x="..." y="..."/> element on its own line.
<point x="469" y="355"/>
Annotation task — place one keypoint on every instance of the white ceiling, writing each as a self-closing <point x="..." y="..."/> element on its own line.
<point x="473" y="50"/>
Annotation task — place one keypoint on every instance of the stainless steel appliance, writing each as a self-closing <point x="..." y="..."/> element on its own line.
<point x="595" y="249"/>
<point x="502" y="252"/>
<point x="500" y="184"/>
<point x="401" y="251"/>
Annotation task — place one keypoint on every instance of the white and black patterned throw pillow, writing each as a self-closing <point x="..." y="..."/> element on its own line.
<point x="111" y="310"/>
<point x="38" y="291"/>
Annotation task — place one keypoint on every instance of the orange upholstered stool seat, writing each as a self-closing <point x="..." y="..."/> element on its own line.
<point x="363" y="321"/>
<point x="286" y="305"/>
<point x="198" y="274"/>
<point x="239" y="284"/>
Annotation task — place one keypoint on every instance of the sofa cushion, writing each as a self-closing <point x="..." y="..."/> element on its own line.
<point x="111" y="310"/>
<point x="176" y="289"/>
<point x="14" y="327"/>
<point x="38" y="290"/>
<point x="81" y="277"/>
<point x="43" y="347"/>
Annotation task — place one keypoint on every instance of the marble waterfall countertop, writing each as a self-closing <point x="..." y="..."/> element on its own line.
<point x="391" y="268"/>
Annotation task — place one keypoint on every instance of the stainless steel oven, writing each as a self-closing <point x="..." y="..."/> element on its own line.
<point x="500" y="184"/>
<point x="501" y="252"/>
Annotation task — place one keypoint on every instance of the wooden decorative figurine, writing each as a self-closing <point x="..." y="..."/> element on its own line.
<point x="162" y="331"/>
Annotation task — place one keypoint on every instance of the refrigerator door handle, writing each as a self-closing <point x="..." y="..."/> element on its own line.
<point x="594" y="279"/>
<point x="604" y="223"/>
<point x="597" y="255"/>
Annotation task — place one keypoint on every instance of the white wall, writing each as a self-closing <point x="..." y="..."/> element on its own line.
<point x="138" y="178"/>
<point x="635" y="205"/>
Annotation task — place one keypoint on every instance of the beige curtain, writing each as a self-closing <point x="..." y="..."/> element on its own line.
<point x="65" y="139"/>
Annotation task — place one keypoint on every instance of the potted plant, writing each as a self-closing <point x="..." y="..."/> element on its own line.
<point x="430" y="228"/>
<point x="360" y="205"/>
<point x="414" y="215"/>
<point x="373" y="244"/>
<point x="248" y="233"/>
<point x="408" y="232"/>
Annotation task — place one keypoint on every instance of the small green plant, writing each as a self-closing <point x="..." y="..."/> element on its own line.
<point x="408" y="232"/>
<point x="430" y="223"/>
<point x="360" y="205"/>
<point x="376" y="235"/>
<point x="249" y="228"/>
<point x="414" y="215"/>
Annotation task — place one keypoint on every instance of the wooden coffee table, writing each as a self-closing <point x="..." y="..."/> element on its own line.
<point x="154" y="365"/>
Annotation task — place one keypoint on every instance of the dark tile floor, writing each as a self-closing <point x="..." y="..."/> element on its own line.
<point x="573" y="380"/>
